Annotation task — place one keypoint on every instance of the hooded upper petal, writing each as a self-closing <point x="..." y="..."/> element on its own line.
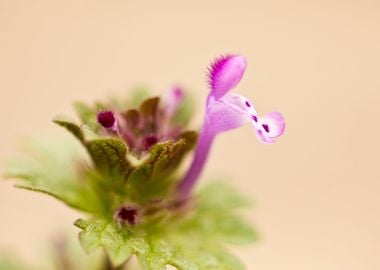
<point x="225" y="73"/>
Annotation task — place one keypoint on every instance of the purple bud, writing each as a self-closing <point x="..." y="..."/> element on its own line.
<point x="107" y="119"/>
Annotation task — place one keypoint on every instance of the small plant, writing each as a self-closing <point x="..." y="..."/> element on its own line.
<point x="136" y="199"/>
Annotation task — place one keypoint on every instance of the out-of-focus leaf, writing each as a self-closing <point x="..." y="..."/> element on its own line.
<point x="217" y="214"/>
<point x="137" y="96"/>
<point x="72" y="127"/>
<point x="87" y="115"/>
<point x="184" y="112"/>
<point x="51" y="168"/>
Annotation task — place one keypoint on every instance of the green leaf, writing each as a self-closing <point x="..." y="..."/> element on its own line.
<point x="183" y="251"/>
<point x="116" y="242"/>
<point x="154" y="178"/>
<point x="226" y="195"/>
<point x="109" y="156"/>
<point x="192" y="241"/>
<point x="218" y="205"/>
<point x="87" y="115"/>
<point x="72" y="127"/>
<point x="50" y="168"/>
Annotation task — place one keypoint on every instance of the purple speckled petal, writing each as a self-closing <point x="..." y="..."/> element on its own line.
<point x="221" y="115"/>
<point x="239" y="103"/>
<point x="270" y="127"/>
<point x="225" y="73"/>
<point x="226" y="111"/>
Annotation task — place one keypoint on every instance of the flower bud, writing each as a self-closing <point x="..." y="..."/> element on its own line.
<point x="107" y="120"/>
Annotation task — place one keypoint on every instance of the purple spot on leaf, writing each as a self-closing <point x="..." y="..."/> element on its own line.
<point x="248" y="104"/>
<point x="266" y="128"/>
<point x="254" y="117"/>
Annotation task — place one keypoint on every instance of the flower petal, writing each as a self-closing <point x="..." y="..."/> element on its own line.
<point x="225" y="73"/>
<point x="240" y="103"/>
<point x="221" y="117"/>
<point x="173" y="99"/>
<point x="262" y="138"/>
<point x="270" y="127"/>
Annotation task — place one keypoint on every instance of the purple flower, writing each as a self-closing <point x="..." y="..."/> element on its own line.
<point x="226" y="111"/>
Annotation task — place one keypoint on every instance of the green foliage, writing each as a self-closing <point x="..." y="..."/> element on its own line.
<point x="109" y="156"/>
<point x="87" y="114"/>
<point x="73" y="128"/>
<point x="63" y="170"/>
<point x="187" y="241"/>
<point x="51" y="168"/>
<point x="153" y="177"/>
<point x="100" y="173"/>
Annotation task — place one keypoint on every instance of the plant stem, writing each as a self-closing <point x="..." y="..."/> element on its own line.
<point x="202" y="151"/>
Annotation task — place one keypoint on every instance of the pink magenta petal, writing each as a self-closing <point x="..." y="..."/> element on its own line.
<point x="269" y="127"/>
<point x="226" y="111"/>
<point x="274" y="123"/>
<point x="225" y="73"/>
<point x="239" y="103"/>
<point x="262" y="138"/>
<point x="221" y="117"/>
<point x="173" y="99"/>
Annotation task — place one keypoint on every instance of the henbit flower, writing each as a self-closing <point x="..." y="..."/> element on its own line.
<point x="226" y="111"/>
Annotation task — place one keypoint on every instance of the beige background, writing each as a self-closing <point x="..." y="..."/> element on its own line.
<point x="316" y="191"/>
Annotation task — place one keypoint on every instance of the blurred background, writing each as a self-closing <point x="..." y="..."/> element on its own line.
<point x="318" y="62"/>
